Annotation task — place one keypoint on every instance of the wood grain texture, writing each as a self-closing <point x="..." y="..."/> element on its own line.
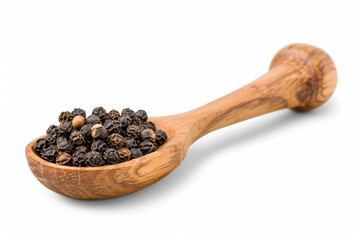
<point x="301" y="77"/>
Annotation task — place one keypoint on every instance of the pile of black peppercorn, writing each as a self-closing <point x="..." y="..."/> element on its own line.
<point x="99" y="139"/>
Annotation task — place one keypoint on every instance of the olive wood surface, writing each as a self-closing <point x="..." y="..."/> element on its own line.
<point x="301" y="77"/>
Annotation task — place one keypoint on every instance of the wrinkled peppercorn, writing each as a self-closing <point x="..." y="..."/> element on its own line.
<point x="50" y="154"/>
<point x="135" y="153"/>
<point x="128" y="111"/>
<point x="65" y="116"/>
<point x="79" y="156"/>
<point x="93" y="119"/>
<point x="100" y="111"/>
<point x="110" y="126"/>
<point x="98" y="131"/>
<point x="52" y="136"/>
<point x="148" y="134"/>
<point x="116" y="141"/>
<point x="124" y="154"/>
<point x="99" y="146"/>
<point x="111" y="156"/>
<point x="86" y="130"/>
<point x="78" y="121"/>
<point x="77" y="138"/>
<point x="147" y="147"/>
<point x="61" y="138"/>
<point x="150" y="125"/>
<point x="51" y="128"/>
<point x="125" y="121"/>
<point x="130" y="142"/>
<point x="65" y="127"/>
<point x="114" y="114"/>
<point x="147" y="125"/>
<point x="142" y="115"/>
<point x="133" y="131"/>
<point x="81" y="148"/>
<point x="161" y="137"/>
<point x="40" y="145"/>
<point x="64" y="146"/>
<point x="64" y="159"/>
<point x="94" y="159"/>
<point x="79" y="111"/>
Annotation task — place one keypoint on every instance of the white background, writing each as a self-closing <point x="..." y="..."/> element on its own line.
<point x="285" y="175"/>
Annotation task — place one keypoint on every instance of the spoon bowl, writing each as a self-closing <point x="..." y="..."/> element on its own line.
<point x="111" y="180"/>
<point x="301" y="77"/>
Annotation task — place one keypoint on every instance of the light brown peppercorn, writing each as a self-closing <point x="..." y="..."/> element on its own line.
<point x="99" y="131"/>
<point x="63" y="158"/>
<point x="148" y="134"/>
<point x="116" y="141"/>
<point x="65" y="116"/>
<point x="114" y="114"/>
<point x="78" y="121"/>
<point x="124" y="154"/>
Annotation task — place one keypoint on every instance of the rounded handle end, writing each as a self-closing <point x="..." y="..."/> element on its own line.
<point x="315" y="74"/>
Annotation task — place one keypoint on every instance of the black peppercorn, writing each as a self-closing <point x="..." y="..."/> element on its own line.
<point x="61" y="138"/>
<point x="161" y="137"/>
<point x="65" y="127"/>
<point x="101" y="112"/>
<point x="51" y="128"/>
<point x="133" y="131"/>
<point x="98" y="131"/>
<point x="128" y="111"/>
<point x="150" y="125"/>
<point x="50" y="154"/>
<point x="114" y="114"/>
<point x="135" y="153"/>
<point x="93" y="119"/>
<point x="116" y="141"/>
<point x="81" y="148"/>
<point x="77" y="138"/>
<point x="53" y="135"/>
<point x="65" y="116"/>
<point x="64" y="146"/>
<point x="147" y="147"/>
<point x="94" y="159"/>
<point x="40" y="145"/>
<point x="142" y="115"/>
<point x="125" y="121"/>
<point x="110" y="126"/>
<point x="124" y="154"/>
<point x="86" y="130"/>
<point x="79" y="156"/>
<point x="147" y="125"/>
<point x="130" y="142"/>
<point x="111" y="156"/>
<point x="99" y="146"/>
<point x="79" y="111"/>
<point x="148" y="134"/>
<point x="64" y="159"/>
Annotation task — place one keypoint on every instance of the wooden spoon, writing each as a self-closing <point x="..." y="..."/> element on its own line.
<point x="301" y="77"/>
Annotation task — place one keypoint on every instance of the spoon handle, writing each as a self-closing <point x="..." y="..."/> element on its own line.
<point x="301" y="77"/>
